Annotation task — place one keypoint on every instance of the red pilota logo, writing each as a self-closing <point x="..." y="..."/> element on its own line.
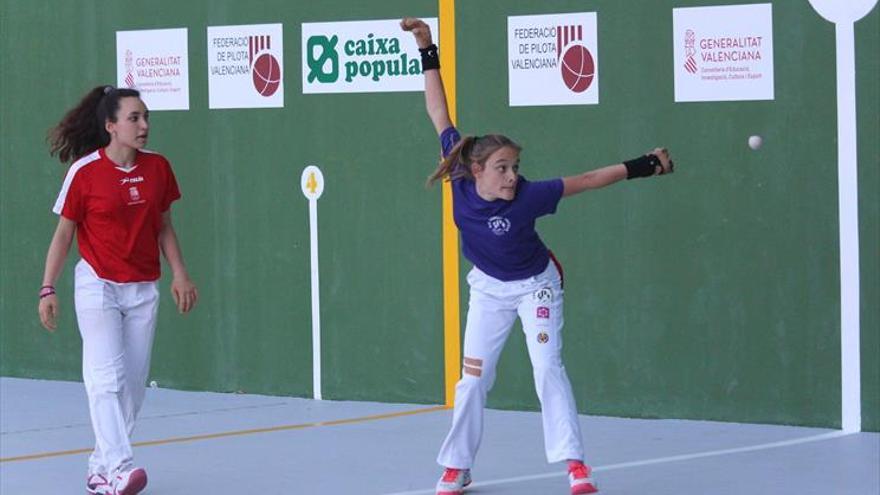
<point x="264" y="66"/>
<point x="576" y="63"/>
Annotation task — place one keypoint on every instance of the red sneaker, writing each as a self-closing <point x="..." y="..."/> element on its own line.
<point x="129" y="482"/>
<point x="453" y="481"/>
<point x="579" y="478"/>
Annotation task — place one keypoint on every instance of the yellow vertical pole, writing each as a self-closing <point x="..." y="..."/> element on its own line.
<point x="451" y="311"/>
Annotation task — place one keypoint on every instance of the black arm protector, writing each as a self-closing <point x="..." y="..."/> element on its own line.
<point x="643" y="166"/>
<point x="430" y="58"/>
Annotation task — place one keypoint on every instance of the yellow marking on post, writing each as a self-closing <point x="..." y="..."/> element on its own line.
<point x="451" y="311"/>
<point x="311" y="183"/>
<point x="210" y="436"/>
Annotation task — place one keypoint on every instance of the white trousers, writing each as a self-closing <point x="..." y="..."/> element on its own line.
<point x="117" y="323"/>
<point x="493" y="308"/>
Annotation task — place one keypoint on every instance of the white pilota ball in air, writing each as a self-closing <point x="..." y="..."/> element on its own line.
<point x="755" y="142"/>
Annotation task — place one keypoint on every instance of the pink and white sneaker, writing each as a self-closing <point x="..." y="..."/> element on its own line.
<point x="453" y="481"/>
<point x="129" y="482"/>
<point x="97" y="484"/>
<point x="579" y="478"/>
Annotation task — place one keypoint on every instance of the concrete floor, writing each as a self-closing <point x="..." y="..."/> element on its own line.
<point x="220" y="444"/>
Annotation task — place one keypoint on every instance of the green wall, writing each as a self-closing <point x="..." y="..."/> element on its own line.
<point x="714" y="293"/>
<point x="243" y="220"/>
<point x="710" y="294"/>
<point x="867" y="33"/>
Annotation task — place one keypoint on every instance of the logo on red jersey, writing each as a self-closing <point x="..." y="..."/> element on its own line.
<point x="131" y="180"/>
<point x="135" y="197"/>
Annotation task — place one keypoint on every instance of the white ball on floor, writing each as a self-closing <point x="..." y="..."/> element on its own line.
<point x="755" y="142"/>
<point x="153" y="384"/>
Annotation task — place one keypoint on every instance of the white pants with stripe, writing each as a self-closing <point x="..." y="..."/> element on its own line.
<point x="493" y="309"/>
<point x="117" y="323"/>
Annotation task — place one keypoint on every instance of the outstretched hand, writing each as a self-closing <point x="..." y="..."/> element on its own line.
<point x="419" y="29"/>
<point x="666" y="164"/>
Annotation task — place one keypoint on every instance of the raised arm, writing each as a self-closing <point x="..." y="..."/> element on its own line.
<point x="435" y="96"/>
<point x="657" y="162"/>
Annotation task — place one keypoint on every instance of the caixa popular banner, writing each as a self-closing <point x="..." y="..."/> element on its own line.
<point x="361" y="57"/>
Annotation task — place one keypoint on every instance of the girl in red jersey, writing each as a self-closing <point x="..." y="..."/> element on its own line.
<point x="117" y="199"/>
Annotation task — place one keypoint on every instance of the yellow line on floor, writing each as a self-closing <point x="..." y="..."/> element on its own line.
<point x="209" y="436"/>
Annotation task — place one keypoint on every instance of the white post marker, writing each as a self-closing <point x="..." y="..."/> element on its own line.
<point x="844" y="14"/>
<point x="312" y="182"/>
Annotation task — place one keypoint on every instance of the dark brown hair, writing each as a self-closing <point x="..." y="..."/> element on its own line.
<point x="82" y="131"/>
<point x="470" y="149"/>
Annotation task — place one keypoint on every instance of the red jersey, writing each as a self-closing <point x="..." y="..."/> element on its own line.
<point x="118" y="213"/>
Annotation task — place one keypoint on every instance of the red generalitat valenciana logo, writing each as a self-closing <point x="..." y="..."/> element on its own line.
<point x="690" y="63"/>
<point x="543" y="312"/>
<point x="129" y="77"/>
<point x="264" y="66"/>
<point x="576" y="63"/>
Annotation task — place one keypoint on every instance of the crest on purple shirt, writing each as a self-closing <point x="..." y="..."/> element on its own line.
<point x="499" y="225"/>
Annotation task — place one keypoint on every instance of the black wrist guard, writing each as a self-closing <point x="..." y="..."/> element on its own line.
<point x="430" y="58"/>
<point x="643" y="166"/>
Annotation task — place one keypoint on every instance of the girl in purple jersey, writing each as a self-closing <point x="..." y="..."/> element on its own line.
<point x="514" y="274"/>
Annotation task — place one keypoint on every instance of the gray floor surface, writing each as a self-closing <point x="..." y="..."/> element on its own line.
<point x="314" y="450"/>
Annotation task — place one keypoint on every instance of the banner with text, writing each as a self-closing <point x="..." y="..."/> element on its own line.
<point x="155" y="62"/>
<point x="361" y="57"/>
<point x="723" y="53"/>
<point x="246" y="66"/>
<point x="553" y="59"/>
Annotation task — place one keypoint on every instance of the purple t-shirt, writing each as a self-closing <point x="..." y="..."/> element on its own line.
<point x="499" y="236"/>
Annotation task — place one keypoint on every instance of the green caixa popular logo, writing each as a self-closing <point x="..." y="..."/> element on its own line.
<point x="372" y="57"/>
